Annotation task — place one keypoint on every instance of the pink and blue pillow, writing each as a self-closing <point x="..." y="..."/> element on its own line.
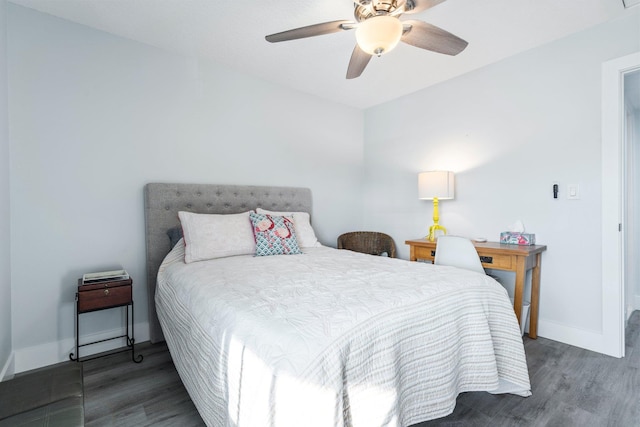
<point x="275" y="235"/>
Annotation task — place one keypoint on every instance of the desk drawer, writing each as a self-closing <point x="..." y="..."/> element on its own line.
<point x="97" y="299"/>
<point x="499" y="262"/>
<point x="424" y="253"/>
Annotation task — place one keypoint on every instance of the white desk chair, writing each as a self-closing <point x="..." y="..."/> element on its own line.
<point x="457" y="252"/>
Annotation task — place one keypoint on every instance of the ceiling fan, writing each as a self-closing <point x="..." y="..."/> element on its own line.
<point x="379" y="29"/>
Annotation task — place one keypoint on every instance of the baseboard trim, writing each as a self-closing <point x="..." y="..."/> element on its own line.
<point x="8" y="369"/>
<point x="58" y="351"/>
<point x="583" y="338"/>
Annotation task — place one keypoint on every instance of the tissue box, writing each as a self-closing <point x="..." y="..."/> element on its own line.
<point x="512" y="238"/>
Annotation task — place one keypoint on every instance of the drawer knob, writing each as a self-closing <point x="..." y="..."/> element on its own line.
<point x="106" y="292"/>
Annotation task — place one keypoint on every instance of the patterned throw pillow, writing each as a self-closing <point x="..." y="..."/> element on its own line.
<point x="275" y="235"/>
<point x="304" y="232"/>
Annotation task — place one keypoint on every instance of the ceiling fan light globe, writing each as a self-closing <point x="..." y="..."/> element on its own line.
<point x="379" y="34"/>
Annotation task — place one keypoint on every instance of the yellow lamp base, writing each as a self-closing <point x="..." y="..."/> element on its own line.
<point x="436" y="217"/>
<point x="432" y="232"/>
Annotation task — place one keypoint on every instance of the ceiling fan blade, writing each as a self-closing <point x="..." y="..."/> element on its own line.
<point x="309" y="31"/>
<point x="415" y="6"/>
<point x="357" y="63"/>
<point x="429" y="37"/>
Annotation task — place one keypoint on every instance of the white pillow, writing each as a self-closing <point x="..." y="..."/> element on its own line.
<point x="209" y="236"/>
<point x="302" y="223"/>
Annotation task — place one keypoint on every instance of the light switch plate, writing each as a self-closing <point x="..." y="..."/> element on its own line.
<point x="573" y="192"/>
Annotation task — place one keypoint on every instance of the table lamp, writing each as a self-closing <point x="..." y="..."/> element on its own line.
<point x="435" y="185"/>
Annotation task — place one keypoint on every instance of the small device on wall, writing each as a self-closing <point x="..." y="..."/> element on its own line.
<point x="555" y="191"/>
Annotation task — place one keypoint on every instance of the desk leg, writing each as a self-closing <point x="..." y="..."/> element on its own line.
<point x="521" y="274"/>
<point x="535" y="297"/>
<point x="412" y="253"/>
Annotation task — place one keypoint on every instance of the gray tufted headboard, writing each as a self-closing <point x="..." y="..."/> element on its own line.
<point x="163" y="201"/>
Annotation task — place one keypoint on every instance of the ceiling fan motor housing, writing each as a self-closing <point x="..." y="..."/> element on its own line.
<point x="365" y="9"/>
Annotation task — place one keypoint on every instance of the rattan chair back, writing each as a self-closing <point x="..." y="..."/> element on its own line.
<point x="368" y="242"/>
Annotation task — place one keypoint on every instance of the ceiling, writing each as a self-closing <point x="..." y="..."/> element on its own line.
<point x="232" y="33"/>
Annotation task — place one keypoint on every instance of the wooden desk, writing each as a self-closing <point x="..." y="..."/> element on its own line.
<point x="516" y="258"/>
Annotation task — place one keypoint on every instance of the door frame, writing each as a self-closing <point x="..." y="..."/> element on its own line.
<point x="613" y="187"/>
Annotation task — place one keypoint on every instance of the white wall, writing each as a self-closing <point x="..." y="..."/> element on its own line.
<point x="6" y="349"/>
<point x="636" y="236"/>
<point x="94" y="117"/>
<point x="630" y="244"/>
<point x="632" y="276"/>
<point x="509" y="130"/>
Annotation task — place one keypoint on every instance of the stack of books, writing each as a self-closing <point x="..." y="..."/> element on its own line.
<point x="104" y="276"/>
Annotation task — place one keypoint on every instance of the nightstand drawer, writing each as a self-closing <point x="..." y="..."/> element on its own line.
<point x="97" y="297"/>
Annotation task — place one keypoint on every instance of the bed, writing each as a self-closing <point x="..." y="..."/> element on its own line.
<point x="323" y="338"/>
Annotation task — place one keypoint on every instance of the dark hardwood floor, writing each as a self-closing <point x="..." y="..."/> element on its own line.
<point x="571" y="387"/>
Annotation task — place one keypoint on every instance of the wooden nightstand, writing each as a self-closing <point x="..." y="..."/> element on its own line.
<point x="102" y="296"/>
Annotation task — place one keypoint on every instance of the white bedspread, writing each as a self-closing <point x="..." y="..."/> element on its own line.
<point x="335" y="338"/>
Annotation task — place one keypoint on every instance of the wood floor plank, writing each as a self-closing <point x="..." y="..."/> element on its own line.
<point x="119" y="392"/>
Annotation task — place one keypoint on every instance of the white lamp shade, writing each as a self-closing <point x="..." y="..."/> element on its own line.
<point x="434" y="184"/>
<point x="379" y="34"/>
